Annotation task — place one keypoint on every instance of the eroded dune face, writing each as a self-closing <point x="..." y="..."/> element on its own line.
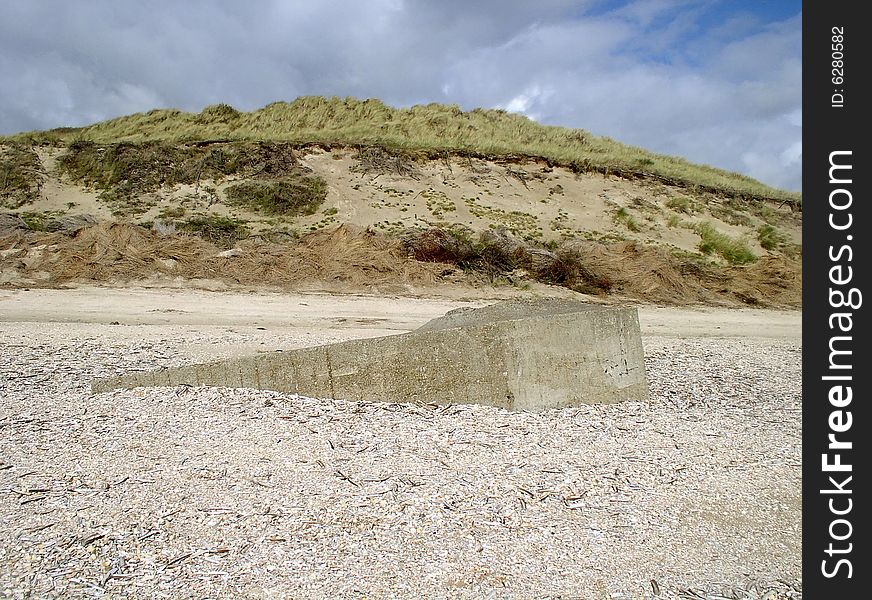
<point x="464" y="221"/>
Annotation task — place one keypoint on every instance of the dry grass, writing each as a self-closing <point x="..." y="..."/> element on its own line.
<point x="122" y="252"/>
<point x="434" y="129"/>
<point x="375" y="160"/>
<point x="349" y="258"/>
<point x="497" y="254"/>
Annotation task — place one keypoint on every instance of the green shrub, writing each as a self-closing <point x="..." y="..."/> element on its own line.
<point x="297" y="195"/>
<point x="37" y="221"/>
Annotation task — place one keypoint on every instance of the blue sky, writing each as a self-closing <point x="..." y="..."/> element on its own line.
<point x="713" y="81"/>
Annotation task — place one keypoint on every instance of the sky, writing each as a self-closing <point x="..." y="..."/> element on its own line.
<point x="714" y="81"/>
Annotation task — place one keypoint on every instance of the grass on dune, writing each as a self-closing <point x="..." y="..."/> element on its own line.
<point x="297" y="194"/>
<point x="431" y="128"/>
<point x="735" y="251"/>
<point x="20" y="175"/>
<point x="124" y="171"/>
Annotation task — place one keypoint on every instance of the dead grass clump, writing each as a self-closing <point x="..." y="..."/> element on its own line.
<point x="682" y="204"/>
<point x="771" y="281"/>
<point x="115" y="251"/>
<point x="440" y="246"/>
<point x="494" y="253"/>
<point x="21" y="175"/>
<point x="375" y="160"/>
<point x="637" y="271"/>
<point x="346" y="257"/>
<point x="356" y="256"/>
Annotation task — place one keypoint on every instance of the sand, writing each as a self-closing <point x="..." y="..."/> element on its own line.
<point x="243" y="494"/>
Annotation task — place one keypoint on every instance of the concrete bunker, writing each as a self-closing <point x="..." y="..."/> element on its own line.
<point x="518" y="355"/>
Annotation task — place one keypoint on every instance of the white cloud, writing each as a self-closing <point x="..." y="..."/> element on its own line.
<point x="527" y="101"/>
<point x="643" y="74"/>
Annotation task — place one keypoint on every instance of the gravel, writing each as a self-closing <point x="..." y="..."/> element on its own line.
<point x="222" y="493"/>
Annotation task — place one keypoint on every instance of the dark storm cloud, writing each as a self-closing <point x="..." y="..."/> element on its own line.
<point x="646" y="73"/>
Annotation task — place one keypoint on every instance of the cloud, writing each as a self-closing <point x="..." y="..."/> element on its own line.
<point x="678" y="77"/>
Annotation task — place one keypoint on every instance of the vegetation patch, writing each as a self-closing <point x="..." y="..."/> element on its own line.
<point x="622" y="215"/>
<point x="674" y="221"/>
<point x="172" y="212"/>
<point x="438" y="203"/>
<point x="734" y="251"/>
<point x="515" y="221"/>
<point x="770" y="238"/>
<point x="127" y="170"/>
<point x="682" y="204"/>
<point x="497" y="254"/>
<point x="300" y="194"/>
<point x="39" y="221"/>
<point x="390" y="227"/>
<point x="219" y="113"/>
<point x="377" y="160"/>
<point x="21" y="175"/>
<point x="560" y="224"/>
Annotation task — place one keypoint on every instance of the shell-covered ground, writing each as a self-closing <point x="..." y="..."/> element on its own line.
<point x="220" y="493"/>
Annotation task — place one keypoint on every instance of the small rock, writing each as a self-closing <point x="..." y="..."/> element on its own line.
<point x="229" y="253"/>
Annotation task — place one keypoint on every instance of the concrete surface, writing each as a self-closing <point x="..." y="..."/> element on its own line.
<point x="519" y="355"/>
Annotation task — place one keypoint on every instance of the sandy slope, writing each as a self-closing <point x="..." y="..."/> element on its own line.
<point x="528" y="198"/>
